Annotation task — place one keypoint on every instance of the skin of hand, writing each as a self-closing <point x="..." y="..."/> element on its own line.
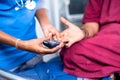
<point x="48" y="29"/>
<point x="72" y="34"/>
<point x="51" y="32"/>
<point x="35" y="45"/>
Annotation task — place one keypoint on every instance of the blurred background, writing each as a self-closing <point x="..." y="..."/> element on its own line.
<point x="72" y="10"/>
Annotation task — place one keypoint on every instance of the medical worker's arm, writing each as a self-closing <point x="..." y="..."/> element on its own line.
<point x="46" y="25"/>
<point x="34" y="45"/>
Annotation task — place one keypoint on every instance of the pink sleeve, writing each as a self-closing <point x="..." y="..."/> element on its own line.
<point x="92" y="11"/>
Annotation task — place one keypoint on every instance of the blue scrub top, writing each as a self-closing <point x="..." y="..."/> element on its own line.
<point x="19" y="24"/>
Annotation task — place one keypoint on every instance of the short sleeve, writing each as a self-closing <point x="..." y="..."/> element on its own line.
<point x="92" y="11"/>
<point x="41" y="4"/>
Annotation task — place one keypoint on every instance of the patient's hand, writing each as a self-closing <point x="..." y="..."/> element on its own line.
<point x="72" y="34"/>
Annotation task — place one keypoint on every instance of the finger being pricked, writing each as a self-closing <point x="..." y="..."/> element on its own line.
<point x="68" y="44"/>
<point x="65" y="40"/>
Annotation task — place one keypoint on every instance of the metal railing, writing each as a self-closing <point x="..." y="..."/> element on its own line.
<point x="7" y="75"/>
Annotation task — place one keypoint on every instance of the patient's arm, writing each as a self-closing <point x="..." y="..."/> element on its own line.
<point x="74" y="33"/>
<point x="91" y="28"/>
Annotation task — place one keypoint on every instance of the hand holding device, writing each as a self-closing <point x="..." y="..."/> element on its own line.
<point x="50" y="43"/>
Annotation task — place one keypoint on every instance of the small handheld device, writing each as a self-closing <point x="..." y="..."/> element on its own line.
<point x="50" y="43"/>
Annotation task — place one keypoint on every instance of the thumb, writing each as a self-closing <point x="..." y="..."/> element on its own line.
<point x="65" y="22"/>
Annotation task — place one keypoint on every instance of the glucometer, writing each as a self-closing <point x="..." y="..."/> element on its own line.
<point x="50" y="43"/>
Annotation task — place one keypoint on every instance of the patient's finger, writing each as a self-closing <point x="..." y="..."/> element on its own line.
<point x="63" y="34"/>
<point x="69" y="44"/>
<point x="66" y="22"/>
<point x="64" y="38"/>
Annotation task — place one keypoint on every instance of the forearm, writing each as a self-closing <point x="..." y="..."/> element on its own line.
<point x="7" y="39"/>
<point x="42" y="16"/>
<point x="91" y="28"/>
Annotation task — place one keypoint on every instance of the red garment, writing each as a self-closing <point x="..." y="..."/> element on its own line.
<point x="98" y="56"/>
